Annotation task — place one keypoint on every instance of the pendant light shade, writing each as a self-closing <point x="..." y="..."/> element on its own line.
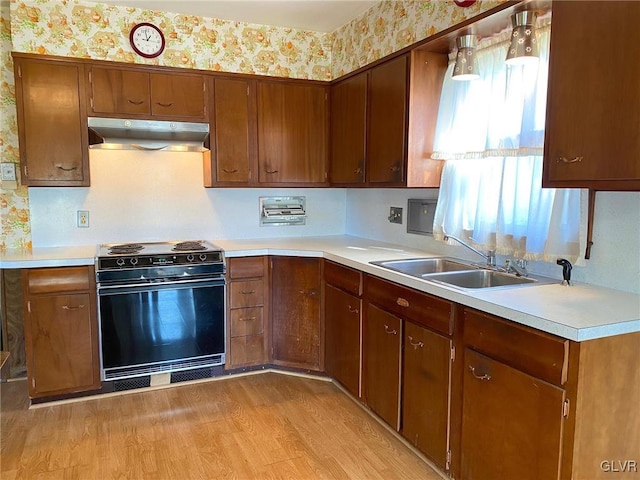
<point x="523" y="48"/>
<point x="466" y="67"/>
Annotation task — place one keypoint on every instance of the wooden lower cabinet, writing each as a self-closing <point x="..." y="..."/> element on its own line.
<point x="296" y="327"/>
<point x="61" y="330"/>
<point x="425" y="391"/>
<point x="247" y="314"/>
<point x="381" y="348"/>
<point x="511" y="422"/>
<point x="342" y="338"/>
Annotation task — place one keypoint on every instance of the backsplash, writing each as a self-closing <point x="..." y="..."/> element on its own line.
<point x="144" y="196"/>
<point x="615" y="256"/>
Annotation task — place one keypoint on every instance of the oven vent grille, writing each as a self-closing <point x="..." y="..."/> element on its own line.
<point x="164" y="367"/>
<point x="195" y="374"/>
<point x="131" y="383"/>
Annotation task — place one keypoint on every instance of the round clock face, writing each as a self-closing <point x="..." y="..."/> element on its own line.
<point x="147" y="40"/>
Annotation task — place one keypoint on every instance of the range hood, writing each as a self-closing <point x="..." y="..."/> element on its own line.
<point x="149" y="135"/>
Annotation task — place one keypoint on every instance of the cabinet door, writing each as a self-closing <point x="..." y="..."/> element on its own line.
<point x="511" y="423"/>
<point x="593" y="119"/>
<point x="178" y="95"/>
<point x="387" y="135"/>
<point x="348" y="130"/>
<point x="234" y="130"/>
<point x="117" y="91"/>
<point x="62" y="345"/>
<point x="425" y="391"/>
<point x="382" y="338"/>
<point x="292" y="133"/>
<point x="52" y="123"/>
<point x="296" y="329"/>
<point x="342" y="338"/>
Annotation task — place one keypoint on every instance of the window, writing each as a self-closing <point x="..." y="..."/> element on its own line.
<point x="490" y="133"/>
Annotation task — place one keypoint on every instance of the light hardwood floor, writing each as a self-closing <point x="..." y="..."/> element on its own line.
<point x="250" y="427"/>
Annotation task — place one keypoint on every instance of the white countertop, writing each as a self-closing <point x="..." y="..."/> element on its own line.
<point x="579" y="312"/>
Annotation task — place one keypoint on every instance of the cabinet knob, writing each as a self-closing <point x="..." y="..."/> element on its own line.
<point x="390" y="331"/>
<point x="484" y="376"/>
<point x="570" y="160"/>
<point x="403" y="302"/>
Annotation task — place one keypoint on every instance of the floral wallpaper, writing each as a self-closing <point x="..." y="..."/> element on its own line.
<point x="14" y="203"/>
<point x="77" y="28"/>
<point x="391" y="25"/>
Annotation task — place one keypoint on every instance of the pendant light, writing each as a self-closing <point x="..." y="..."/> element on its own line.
<point x="466" y="67"/>
<point x="523" y="48"/>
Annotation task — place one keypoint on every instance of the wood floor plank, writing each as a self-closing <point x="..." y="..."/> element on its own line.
<point x="258" y="426"/>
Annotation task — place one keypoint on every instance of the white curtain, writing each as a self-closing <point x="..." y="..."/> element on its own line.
<point x="490" y="133"/>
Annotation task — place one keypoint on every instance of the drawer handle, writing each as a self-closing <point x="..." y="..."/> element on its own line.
<point x="67" y="307"/>
<point x="390" y="331"/>
<point x="270" y="171"/>
<point x="243" y="292"/>
<point x="358" y="171"/>
<point x="395" y="169"/>
<point x="402" y="302"/>
<point x="570" y="160"/>
<point x="311" y="293"/>
<point x="67" y="169"/>
<point x="235" y="170"/>
<point x="166" y="105"/>
<point x="138" y="102"/>
<point x="352" y="310"/>
<point x="247" y="319"/>
<point x="485" y="376"/>
<point x="415" y="345"/>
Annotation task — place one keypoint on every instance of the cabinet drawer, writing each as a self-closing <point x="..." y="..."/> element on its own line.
<point x="346" y="278"/>
<point x="247" y="321"/>
<point x="247" y="294"/>
<point x="247" y="350"/>
<point x="246" y="267"/>
<point x="57" y="280"/>
<point x="424" y="309"/>
<point x="537" y="353"/>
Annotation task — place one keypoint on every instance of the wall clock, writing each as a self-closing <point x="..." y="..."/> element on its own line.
<point x="464" y="3"/>
<point x="147" y="40"/>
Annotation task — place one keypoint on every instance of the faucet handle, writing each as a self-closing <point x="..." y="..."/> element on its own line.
<point x="491" y="258"/>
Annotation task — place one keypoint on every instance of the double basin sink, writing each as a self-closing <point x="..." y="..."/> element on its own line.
<point x="458" y="273"/>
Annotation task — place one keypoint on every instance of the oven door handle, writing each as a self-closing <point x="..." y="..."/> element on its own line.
<point x="158" y="286"/>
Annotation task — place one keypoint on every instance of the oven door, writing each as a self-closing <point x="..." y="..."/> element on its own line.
<point x="161" y="327"/>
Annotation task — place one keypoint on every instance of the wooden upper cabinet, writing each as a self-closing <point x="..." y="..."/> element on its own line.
<point x="233" y="133"/>
<point x="295" y="312"/>
<point x="348" y="130"/>
<point x="119" y="91"/>
<point x="52" y="122"/>
<point x="292" y="133"/>
<point x="178" y="95"/>
<point x="593" y="108"/>
<point x="128" y="91"/>
<point x="387" y="133"/>
<point x="383" y="123"/>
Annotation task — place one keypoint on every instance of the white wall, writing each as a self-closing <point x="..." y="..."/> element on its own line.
<point x="615" y="256"/>
<point x="141" y="196"/>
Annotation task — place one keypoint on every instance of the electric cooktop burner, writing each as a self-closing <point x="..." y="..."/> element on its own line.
<point x="124" y="249"/>
<point x="189" y="246"/>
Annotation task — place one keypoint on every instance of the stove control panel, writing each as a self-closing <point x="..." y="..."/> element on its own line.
<point x="143" y="261"/>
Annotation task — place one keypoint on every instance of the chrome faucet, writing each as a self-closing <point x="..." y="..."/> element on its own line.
<point x="490" y="256"/>
<point x="519" y="267"/>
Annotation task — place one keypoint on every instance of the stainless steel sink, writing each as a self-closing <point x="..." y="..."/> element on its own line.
<point x="419" y="267"/>
<point x="480" y="279"/>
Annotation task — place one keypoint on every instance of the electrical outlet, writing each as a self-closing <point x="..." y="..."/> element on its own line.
<point x="83" y="218"/>
<point x="395" y="215"/>
<point x="8" y="172"/>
